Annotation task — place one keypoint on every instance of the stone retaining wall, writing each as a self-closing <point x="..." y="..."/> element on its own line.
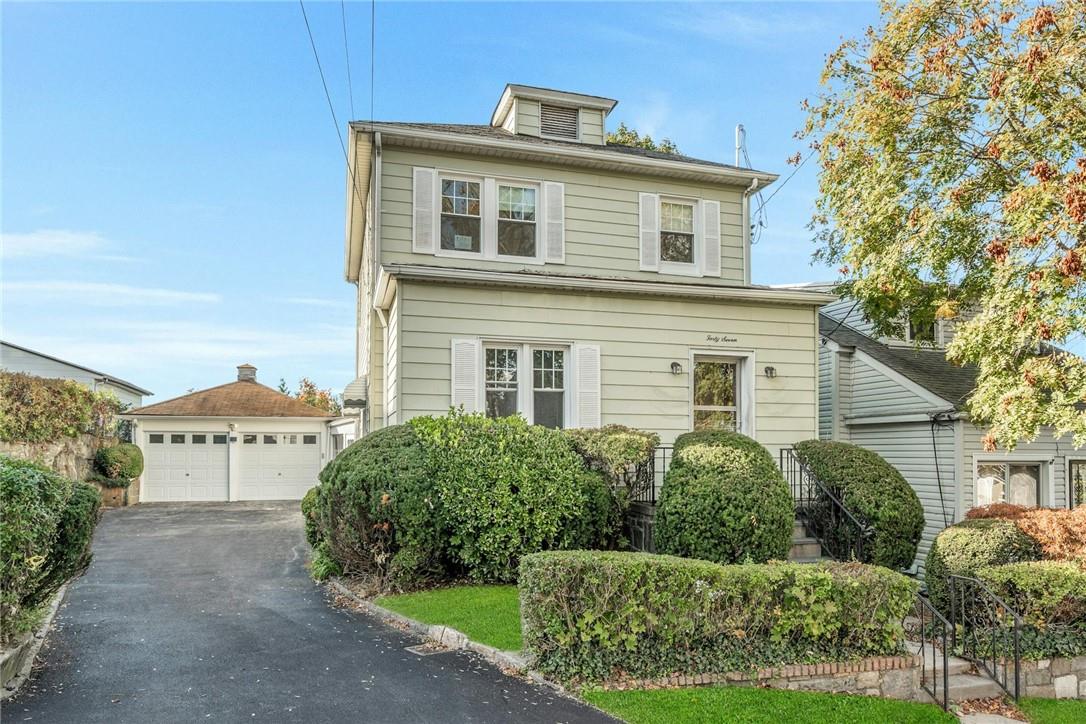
<point x="892" y="677"/>
<point x="1054" y="678"/>
<point x="71" y="457"/>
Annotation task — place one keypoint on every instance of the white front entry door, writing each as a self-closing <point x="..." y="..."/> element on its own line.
<point x="279" y="466"/>
<point x="185" y="466"/>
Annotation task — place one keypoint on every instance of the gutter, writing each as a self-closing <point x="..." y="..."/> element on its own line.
<point x="391" y="272"/>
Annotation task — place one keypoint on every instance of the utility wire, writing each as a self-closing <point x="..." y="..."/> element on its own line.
<point x="373" y="35"/>
<point x="347" y="55"/>
<point x="786" y="180"/>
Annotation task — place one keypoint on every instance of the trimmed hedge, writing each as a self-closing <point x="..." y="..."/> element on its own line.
<point x="45" y="538"/>
<point x="1051" y="598"/>
<point x="968" y="546"/>
<point x="309" y="516"/>
<point x="123" y="461"/>
<point x="724" y="500"/>
<point x="507" y="488"/>
<point x="874" y="490"/>
<point x="593" y="616"/>
<point x="378" y="509"/>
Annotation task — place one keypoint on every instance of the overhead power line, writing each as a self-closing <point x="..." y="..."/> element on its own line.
<point x="347" y="55"/>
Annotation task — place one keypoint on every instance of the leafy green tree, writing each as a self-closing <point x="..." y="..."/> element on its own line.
<point x="624" y="136"/>
<point x="309" y="393"/>
<point x="953" y="186"/>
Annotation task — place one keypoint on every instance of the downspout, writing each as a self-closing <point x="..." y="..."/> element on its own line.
<point x="754" y="184"/>
<point x="376" y="204"/>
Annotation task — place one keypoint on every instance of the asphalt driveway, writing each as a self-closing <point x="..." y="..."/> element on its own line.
<point x="206" y="613"/>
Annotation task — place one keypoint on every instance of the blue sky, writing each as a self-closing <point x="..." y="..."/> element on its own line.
<point x="173" y="189"/>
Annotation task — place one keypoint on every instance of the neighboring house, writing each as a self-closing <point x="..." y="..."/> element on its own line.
<point x="238" y="441"/>
<point x="527" y="266"/>
<point x="14" y="358"/>
<point x="902" y="399"/>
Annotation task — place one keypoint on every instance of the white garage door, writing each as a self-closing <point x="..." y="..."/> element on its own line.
<point x="185" y="466"/>
<point x="280" y="466"/>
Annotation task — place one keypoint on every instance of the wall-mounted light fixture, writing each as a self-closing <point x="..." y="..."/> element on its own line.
<point x="676" y="368"/>
<point x="770" y="372"/>
<point x="233" y="426"/>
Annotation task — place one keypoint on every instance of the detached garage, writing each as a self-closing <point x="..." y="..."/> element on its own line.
<point x="238" y="441"/>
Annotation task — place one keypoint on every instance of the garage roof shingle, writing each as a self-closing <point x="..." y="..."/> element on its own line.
<point x="234" y="399"/>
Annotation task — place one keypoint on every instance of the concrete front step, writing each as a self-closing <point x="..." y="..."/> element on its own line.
<point x="972" y="686"/>
<point x="955" y="665"/>
<point x="805" y="548"/>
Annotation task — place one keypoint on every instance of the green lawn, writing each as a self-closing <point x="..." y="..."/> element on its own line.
<point x="1054" y="711"/>
<point x="749" y="705"/>
<point x="487" y="614"/>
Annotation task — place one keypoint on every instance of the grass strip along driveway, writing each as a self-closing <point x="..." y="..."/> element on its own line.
<point x="487" y="614"/>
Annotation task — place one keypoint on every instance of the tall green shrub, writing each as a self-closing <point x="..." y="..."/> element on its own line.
<point x="310" y="512"/>
<point x="591" y="616"/>
<point x="44" y="539"/>
<point x="966" y="547"/>
<point x="379" y="511"/>
<point x="506" y="488"/>
<point x="875" y="491"/>
<point x="123" y="462"/>
<point x="37" y="409"/>
<point x="725" y="500"/>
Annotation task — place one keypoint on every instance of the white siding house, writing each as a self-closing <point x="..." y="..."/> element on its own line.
<point x="14" y="358"/>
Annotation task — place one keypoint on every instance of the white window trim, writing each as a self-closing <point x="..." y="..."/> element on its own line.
<point x="488" y="218"/>
<point x="1044" y="494"/>
<point x="907" y="339"/>
<point x="525" y="386"/>
<point x="745" y="389"/>
<point x="692" y="269"/>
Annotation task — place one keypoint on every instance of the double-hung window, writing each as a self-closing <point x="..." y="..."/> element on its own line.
<point x="716" y="394"/>
<point x="516" y="220"/>
<point x="461" y="215"/>
<point x="676" y="232"/>
<point x="526" y="379"/>
<point x="1003" y="482"/>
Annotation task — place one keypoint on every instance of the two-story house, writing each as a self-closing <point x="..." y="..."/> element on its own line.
<point x="529" y="266"/>
<point x="902" y="399"/>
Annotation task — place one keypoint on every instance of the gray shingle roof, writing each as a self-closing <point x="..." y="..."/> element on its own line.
<point x="928" y="368"/>
<point x="488" y="131"/>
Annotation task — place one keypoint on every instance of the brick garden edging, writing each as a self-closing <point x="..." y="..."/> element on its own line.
<point x="1058" y="678"/>
<point x="892" y="677"/>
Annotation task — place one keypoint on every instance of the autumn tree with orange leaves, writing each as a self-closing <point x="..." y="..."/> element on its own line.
<point x="953" y="186"/>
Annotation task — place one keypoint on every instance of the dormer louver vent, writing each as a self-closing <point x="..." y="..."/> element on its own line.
<point x="558" y="121"/>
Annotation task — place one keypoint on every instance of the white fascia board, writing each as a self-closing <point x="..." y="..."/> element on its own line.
<point x="905" y="382"/>
<point x="573" y="154"/>
<point x="356" y="169"/>
<point x="586" y="284"/>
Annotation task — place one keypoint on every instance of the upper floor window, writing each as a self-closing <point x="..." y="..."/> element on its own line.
<point x="920" y="330"/>
<point x="677" y="232"/>
<point x="461" y="215"/>
<point x="516" y="221"/>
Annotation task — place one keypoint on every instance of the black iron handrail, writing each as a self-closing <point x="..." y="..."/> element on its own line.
<point x="935" y="635"/>
<point x="986" y="631"/>
<point x="645" y="480"/>
<point x="841" y="533"/>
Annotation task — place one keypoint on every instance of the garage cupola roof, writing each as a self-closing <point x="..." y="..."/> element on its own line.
<point x="246" y="373"/>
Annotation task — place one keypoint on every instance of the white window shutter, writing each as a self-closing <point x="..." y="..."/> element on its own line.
<point x="650" y="232"/>
<point x="710" y="238"/>
<point x="554" y="204"/>
<point x="586" y="405"/>
<point x="465" y="374"/>
<point x="424" y="201"/>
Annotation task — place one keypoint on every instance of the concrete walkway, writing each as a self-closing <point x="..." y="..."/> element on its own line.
<point x="205" y="612"/>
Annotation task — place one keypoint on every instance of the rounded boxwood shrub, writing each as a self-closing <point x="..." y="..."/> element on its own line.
<point x="123" y="461"/>
<point x="591" y="616"/>
<point x="966" y="547"/>
<point x="507" y="488"/>
<point x="44" y="539"/>
<point x="309" y="516"/>
<point x="378" y="510"/>
<point x="723" y="500"/>
<point x="873" y="490"/>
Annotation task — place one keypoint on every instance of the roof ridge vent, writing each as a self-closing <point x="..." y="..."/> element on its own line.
<point x="246" y="373"/>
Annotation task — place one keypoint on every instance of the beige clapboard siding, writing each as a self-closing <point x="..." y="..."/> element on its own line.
<point x="592" y="130"/>
<point x="527" y="117"/>
<point x="639" y="339"/>
<point x="1047" y="448"/>
<point x="601" y="216"/>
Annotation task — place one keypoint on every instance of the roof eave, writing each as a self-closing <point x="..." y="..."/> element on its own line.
<point x="572" y="155"/>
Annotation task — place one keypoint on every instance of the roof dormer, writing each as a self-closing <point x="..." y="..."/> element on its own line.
<point x="557" y="115"/>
